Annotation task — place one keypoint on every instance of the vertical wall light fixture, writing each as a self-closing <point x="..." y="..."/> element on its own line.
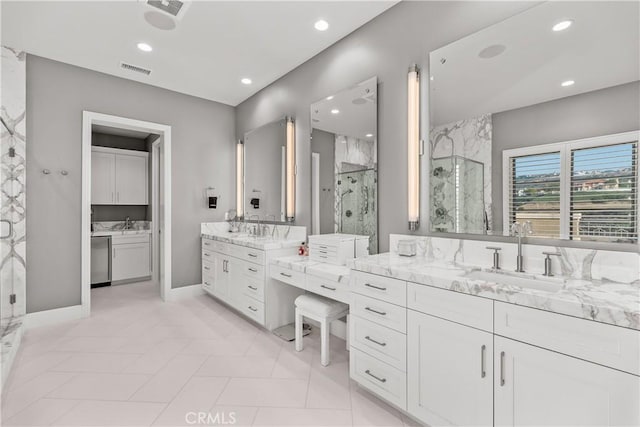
<point x="291" y="169"/>
<point x="240" y="179"/>
<point x="413" y="147"/>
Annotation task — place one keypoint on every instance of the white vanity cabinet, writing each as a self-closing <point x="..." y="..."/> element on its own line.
<point x="130" y="256"/>
<point x="238" y="276"/>
<point x="119" y="177"/>
<point x="450" y="367"/>
<point x="475" y="361"/>
<point x="534" y="386"/>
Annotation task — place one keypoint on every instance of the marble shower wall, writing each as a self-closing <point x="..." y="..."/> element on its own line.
<point x="12" y="183"/>
<point x="575" y="263"/>
<point x="356" y="207"/>
<point x="471" y="139"/>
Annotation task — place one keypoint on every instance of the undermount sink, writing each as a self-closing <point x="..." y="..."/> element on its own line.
<point x="546" y="284"/>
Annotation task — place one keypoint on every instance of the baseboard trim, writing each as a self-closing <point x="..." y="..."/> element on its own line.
<point x="185" y="292"/>
<point x="50" y="317"/>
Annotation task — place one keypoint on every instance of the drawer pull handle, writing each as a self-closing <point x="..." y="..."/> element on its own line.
<point x="328" y="287"/>
<point x="253" y="255"/>
<point x="381" y="313"/>
<point x="483" y="349"/>
<point x="207" y="283"/>
<point x="207" y="268"/>
<point x="285" y="274"/>
<point x="253" y="270"/>
<point x="206" y="254"/>
<point x="382" y="380"/>
<point x="252" y="288"/>
<point x="381" y="344"/>
<point x="323" y="252"/>
<point x="501" y="368"/>
<point x="252" y="309"/>
<point x="375" y="287"/>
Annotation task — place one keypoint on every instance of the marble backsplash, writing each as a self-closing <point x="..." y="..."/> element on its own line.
<point x="120" y="225"/>
<point x="575" y="263"/>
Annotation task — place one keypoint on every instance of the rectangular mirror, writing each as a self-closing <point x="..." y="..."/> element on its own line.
<point x="264" y="172"/>
<point x="344" y="163"/>
<point x="522" y="116"/>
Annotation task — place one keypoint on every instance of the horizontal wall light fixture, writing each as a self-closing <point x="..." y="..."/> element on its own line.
<point x="240" y="179"/>
<point x="413" y="147"/>
<point x="291" y="169"/>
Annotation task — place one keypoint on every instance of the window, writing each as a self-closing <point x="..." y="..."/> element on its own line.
<point x="581" y="190"/>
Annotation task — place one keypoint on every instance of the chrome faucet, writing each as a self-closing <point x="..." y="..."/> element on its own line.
<point x="520" y="230"/>
<point x="547" y="262"/>
<point x="496" y="257"/>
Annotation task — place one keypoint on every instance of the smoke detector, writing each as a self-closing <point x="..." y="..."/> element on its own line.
<point x="174" y="8"/>
<point x="135" y="68"/>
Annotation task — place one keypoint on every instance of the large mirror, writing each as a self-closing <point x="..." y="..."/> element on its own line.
<point x="264" y="172"/>
<point x="344" y="163"/>
<point x="533" y="119"/>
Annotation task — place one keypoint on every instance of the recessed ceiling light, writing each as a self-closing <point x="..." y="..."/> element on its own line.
<point x="335" y="111"/>
<point x="562" y="25"/>
<point x="329" y="98"/>
<point x="567" y="83"/>
<point x="369" y="135"/>
<point x="321" y="25"/>
<point x="145" y="47"/>
<point x="246" y="81"/>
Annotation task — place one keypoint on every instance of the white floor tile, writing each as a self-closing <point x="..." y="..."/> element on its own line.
<point x="102" y="413"/>
<point x="100" y="386"/>
<point x="43" y="412"/>
<point x="302" y="417"/>
<point x="196" y="397"/>
<point x="237" y="366"/>
<point x="95" y="363"/>
<point x="273" y="392"/>
<point x="23" y="395"/>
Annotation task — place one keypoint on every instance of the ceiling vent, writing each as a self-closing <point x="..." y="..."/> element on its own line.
<point x="135" y="68"/>
<point x="174" y="8"/>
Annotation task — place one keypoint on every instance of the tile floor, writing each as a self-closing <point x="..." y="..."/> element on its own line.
<point x="138" y="361"/>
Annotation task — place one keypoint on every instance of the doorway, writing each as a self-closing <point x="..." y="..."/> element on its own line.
<point x="159" y="203"/>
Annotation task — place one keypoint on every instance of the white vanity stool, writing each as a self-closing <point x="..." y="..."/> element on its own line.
<point x="320" y="309"/>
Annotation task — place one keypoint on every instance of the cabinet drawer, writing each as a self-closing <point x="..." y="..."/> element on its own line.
<point x="328" y="288"/>
<point x="252" y="308"/>
<point x="253" y="271"/>
<point x="385" y="344"/>
<point x="208" y="268"/>
<point x="294" y="278"/>
<point x="382" y="379"/>
<point x="207" y="283"/>
<point x="207" y="255"/>
<point x="384" y="288"/>
<point x="468" y="310"/>
<point x="607" y="345"/>
<point x="208" y="244"/>
<point x="254" y="255"/>
<point x="328" y="258"/>
<point x="380" y="312"/>
<point x="126" y="239"/>
<point x="254" y="288"/>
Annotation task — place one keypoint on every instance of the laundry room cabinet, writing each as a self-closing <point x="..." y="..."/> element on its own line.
<point x="119" y="177"/>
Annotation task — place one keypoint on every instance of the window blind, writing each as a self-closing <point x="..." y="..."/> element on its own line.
<point x="535" y="192"/>
<point x="604" y="193"/>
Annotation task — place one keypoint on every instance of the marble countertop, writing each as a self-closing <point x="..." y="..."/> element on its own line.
<point x="102" y="233"/>
<point x="606" y="302"/>
<point x="242" y="239"/>
<point x="302" y="264"/>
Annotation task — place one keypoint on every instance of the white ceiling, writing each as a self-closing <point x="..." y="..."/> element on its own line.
<point x="213" y="46"/>
<point x="601" y="49"/>
<point x="357" y="108"/>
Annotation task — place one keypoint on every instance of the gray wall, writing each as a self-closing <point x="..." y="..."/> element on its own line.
<point x="385" y="47"/>
<point x="203" y="155"/>
<point x="324" y="143"/>
<point x="602" y="112"/>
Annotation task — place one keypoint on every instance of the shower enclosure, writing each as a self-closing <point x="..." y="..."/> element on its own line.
<point x="12" y="203"/>
<point x="356" y="210"/>
<point x="457" y="194"/>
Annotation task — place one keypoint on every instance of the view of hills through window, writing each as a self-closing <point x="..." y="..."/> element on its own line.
<point x="603" y="199"/>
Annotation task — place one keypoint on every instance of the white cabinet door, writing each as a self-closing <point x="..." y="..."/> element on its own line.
<point x="235" y="280"/>
<point x="221" y="281"/>
<point x="132" y="179"/>
<point x="449" y="372"/>
<point x="539" y="387"/>
<point x="130" y="261"/>
<point x="103" y="169"/>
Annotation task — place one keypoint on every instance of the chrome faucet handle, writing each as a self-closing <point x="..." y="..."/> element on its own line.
<point x="547" y="262"/>
<point x="496" y="256"/>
